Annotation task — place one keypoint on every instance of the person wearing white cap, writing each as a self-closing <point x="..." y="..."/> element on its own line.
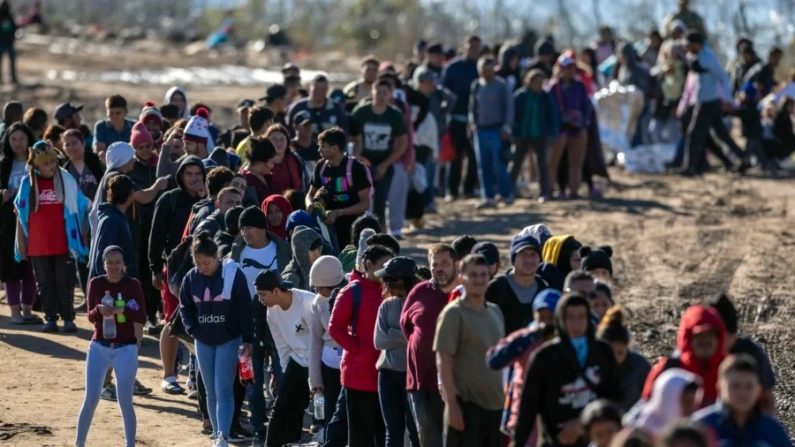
<point x="325" y="354"/>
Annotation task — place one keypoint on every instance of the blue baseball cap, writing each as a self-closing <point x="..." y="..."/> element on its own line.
<point x="546" y="299"/>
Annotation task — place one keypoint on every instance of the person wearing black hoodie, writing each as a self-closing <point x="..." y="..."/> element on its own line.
<point x="564" y="376"/>
<point x="171" y="214"/>
<point x="514" y="291"/>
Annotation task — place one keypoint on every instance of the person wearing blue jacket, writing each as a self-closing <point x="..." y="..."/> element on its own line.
<point x="113" y="228"/>
<point x="216" y="311"/>
<point x="737" y="419"/>
<point x="536" y="124"/>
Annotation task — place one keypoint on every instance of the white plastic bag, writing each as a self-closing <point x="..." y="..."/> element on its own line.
<point x="419" y="180"/>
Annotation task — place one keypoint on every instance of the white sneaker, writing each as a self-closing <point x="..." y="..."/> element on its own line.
<point x="220" y="441"/>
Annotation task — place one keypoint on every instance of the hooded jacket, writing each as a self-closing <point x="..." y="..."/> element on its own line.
<point x="357" y="368"/>
<point x="216" y="309"/>
<point x="695" y="317"/>
<point x="171" y="214"/>
<point x="284" y="206"/>
<point x="213" y="224"/>
<point x="665" y="405"/>
<point x="113" y="229"/>
<point x="558" y="250"/>
<point x="558" y="389"/>
<point x="297" y="270"/>
<point x="170" y="94"/>
<point x="501" y="293"/>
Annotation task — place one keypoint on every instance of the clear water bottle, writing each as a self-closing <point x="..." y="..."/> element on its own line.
<point x="320" y="406"/>
<point x="108" y="323"/>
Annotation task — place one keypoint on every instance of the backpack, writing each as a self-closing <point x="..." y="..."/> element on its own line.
<point x="357" y="300"/>
<point x="178" y="264"/>
<point x="349" y="174"/>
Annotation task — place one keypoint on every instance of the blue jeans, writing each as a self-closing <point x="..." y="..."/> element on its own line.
<point x="218" y="365"/>
<point x="395" y="408"/>
<point x="491" y="164"/>
<point x="99" y="360"/>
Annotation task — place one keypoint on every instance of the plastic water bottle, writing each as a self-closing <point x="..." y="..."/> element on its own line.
<point x="108" y="323"/>
<point x="320" y="406"/>
<point x="120" y="318"/>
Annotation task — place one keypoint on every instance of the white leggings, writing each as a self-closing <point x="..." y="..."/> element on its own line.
<point x="124" y="361"/>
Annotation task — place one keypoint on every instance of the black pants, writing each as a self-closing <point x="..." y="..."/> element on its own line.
<point x="707" y="116"/>
<point x="151" y="294"/>
<point x="537" y="147"/>
<point x="365" y="423"/>
<point x="331" y="390"/>
<point x="395" y="408"/>
<point x="336" y="434"/>
<point x="464" y="149"/>
<point x="481" y="428"/>
<point x="55" y="279"/>
<point x="287" y="419"/>
<point x="381" y="195"/>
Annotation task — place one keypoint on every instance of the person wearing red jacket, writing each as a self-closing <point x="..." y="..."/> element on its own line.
<point x="352" y="326"/>
<point x="700" y="348"/>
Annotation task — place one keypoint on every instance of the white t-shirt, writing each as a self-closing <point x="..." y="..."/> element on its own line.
<point x="255" y="260"/>
<point x="290" y="328"/>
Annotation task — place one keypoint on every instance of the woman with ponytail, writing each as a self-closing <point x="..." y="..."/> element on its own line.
<point x="215" y="309"/>
<point x="632" y="366"/>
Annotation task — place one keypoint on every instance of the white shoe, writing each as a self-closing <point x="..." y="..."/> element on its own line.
<point x="220" y="441"/>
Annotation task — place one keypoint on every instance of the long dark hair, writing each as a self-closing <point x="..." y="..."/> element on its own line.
<point x="7" y="157"/>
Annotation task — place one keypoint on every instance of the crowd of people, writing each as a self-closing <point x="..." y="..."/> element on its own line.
<point x="266" y="257"/>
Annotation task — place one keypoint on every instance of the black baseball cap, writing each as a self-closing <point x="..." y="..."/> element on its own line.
<point x="65" y="110"/>
<point x="398" y="267"/>
<point x="302" y="117"/>
<point x="274" y="92"/>
<point x="488" y="251"/>
<point x="245" y="103"/>
<point x="270" y="280"/>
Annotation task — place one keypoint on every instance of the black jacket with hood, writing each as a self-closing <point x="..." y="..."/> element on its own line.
<point x="557" y="388"/>
<point x="517" y="315"/>
<point x="171" y="214"/>
<point x="297" y="271"/>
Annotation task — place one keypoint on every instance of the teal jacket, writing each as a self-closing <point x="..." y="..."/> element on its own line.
<point x="75" y="214"/>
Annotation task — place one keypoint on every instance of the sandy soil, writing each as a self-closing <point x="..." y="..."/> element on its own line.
<point x="675" y="240"/>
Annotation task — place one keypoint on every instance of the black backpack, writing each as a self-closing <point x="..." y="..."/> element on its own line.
<point x="178" y="265"/>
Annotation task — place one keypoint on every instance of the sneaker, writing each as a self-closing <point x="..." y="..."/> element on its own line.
<point x="193" y="394"/>
<point x="109" y="393"/>
<point x="69" y="327"/>
<point x="485" y="204"/>
<point x="207" y="428"/>
<point x="140" y="390"/>
<point x="50" y="327"/>
<point x="239" y="434"/>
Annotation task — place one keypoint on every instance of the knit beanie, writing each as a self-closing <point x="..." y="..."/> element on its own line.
<point x="232" y="219"/>
<point x="150" y="112"/>
<point x="253" y="217"/>
<point x="326" y="272"/>
<point x="300" y="217"/>
<point x="595" y="259"/>
<point x="539" y="231"/>
<point x="140" y="135"/>
<point x="119" y="154"/>
<point x="362" y="246"/>
<point x="198" y="128"/>
<point x="522" y="241"/>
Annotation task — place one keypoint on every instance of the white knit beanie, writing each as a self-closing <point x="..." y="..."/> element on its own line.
<point x="118" y="155"/>
<point x="326" y="272"/>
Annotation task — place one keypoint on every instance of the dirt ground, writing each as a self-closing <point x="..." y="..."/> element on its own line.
<point x="676" y="241"/>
